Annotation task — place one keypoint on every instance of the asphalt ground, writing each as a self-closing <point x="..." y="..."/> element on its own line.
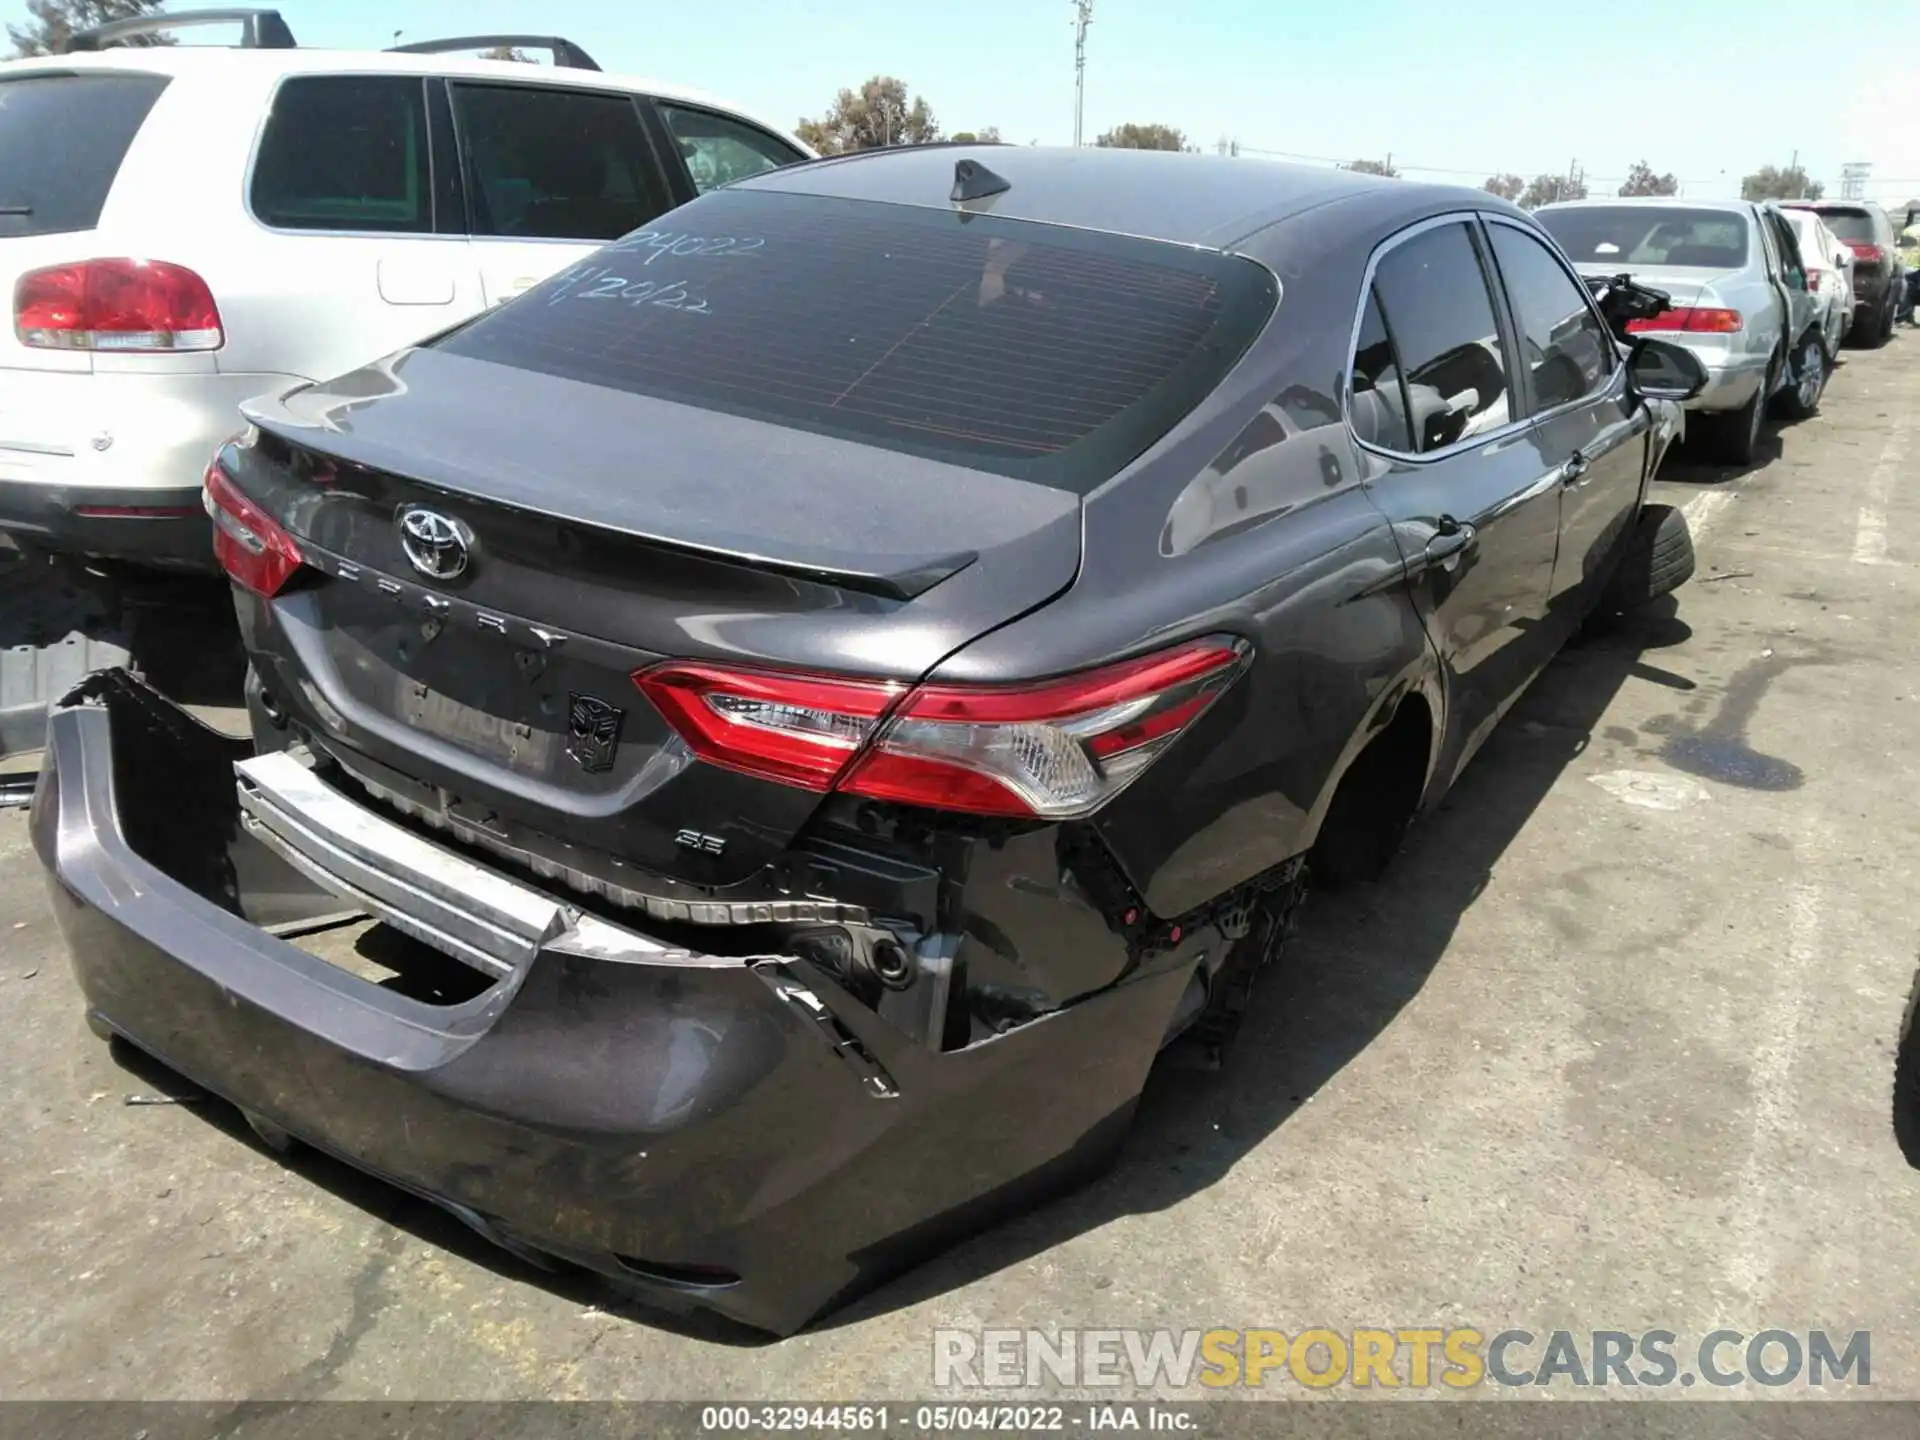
<point x="1610" y="1048"/>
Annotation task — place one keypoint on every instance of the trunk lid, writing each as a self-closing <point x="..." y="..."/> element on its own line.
<point x="606" y="531"/>
<point x="1685" y="284"/>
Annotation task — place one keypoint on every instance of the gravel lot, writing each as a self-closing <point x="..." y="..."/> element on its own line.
<point x="1610" y="1048"/>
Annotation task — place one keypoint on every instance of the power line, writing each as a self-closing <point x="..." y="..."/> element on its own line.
<point x="1082" y="17"/>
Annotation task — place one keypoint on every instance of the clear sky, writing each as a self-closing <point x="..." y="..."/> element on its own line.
<point x="1705" y="89"/>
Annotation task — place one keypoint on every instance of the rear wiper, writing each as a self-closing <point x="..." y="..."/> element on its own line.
<point x="16" y="209"/>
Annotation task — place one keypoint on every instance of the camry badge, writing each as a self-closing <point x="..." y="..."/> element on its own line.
<point x="436" y="545"/>
<point x="593" y="732"/>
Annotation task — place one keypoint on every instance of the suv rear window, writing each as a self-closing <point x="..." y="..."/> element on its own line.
<point x="1848" y="224"/>
<point x="1649" y="235"/>
<point x="62" y="138"/>
<point x="1050" y="354"/>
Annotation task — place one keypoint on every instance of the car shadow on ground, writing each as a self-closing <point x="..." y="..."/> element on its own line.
<point x="178" y="630"/>
<point x="1360" y="956"/>
<point x="1314" y="1011"/>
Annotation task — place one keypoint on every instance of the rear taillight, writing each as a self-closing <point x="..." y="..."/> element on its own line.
<point x="1693" y="319"/>
<point x="250" y="544"/>
<point x="1054" y="749"/>
<point x="116" y="305"/>
<point x="1814" y="277"/>
<point x="1866" y="250"/>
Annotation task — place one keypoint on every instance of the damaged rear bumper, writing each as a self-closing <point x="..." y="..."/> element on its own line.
<point x="729" y="1133"/>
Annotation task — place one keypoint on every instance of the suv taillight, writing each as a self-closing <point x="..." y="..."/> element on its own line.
<point x="1866" y="250"/>
<point x="1054" y="749"/>
<point x="250" y="544"/>
<point x="136" y="305"/>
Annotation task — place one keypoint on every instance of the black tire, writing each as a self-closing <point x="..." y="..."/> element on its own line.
<point x="1807" y="372"/>
<point x="1656" y="560"/>
<point x="1733" y="437"/>
<point x="1882" y="324"/>
<point x="1906" y="1083"/>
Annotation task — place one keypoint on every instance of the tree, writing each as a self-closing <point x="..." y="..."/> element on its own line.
<point x="1145" y="137"/>
<point x="1642" y="181"/>
<point x="876" y="115"/>
<point x="1374" y="167"/>
<point x="987" y="135"/>
<point x="1770" y="182"/>
<point x="508" y="52"/>
<point x="52" y="22"/>
<point x="1546" y="189"/>
<point x="1507" y="187"/>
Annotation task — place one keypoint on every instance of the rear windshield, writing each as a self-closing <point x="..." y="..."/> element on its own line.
<point x="62" y="138"/>
<point x="1649" y="235"/>
<point x="1050" y="354"/>
<point x="1848" y="224"/>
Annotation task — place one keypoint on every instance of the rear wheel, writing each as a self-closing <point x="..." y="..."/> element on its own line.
<point x="1732" y="437"/>
<point x="1806" y="380"/>
<point x="1882" y="330"/>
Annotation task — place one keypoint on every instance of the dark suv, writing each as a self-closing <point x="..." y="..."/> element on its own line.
<point x="804" y="706"/>
<point x="1879" y="271"/>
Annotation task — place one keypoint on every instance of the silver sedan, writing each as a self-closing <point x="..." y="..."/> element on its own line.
<point x="1740" y="297"/>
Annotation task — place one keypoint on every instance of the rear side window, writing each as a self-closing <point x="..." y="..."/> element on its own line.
<point x="1379" y="403"/>
<point x="1434" y="295"/>
<point x="345" y="152"/>
<point x="1569" y="354"/>
<point x="555" y="164"/>
<point x="1650" y="235"/>
<point x="1850" y="224"/>
<point x="62" y="138"/>
<point x="718" y="150"/>
<point x="1050" y="354"/>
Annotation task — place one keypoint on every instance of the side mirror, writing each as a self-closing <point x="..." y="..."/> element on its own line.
<point x="1661" y="370"/>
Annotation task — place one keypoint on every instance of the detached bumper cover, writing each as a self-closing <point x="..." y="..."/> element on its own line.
<point x="734" y="1134"/>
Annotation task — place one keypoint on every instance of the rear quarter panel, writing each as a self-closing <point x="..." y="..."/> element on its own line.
<point x="1255" y="520"/>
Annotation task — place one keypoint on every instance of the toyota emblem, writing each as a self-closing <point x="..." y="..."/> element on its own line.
<point x="436" y="545"/>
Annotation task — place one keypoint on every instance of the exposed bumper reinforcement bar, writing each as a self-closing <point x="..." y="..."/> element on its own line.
<point x="734" y="1134"/>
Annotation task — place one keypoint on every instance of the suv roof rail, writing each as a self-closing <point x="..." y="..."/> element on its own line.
<point x="259" y="29"/>
<point x="566" y="54"/>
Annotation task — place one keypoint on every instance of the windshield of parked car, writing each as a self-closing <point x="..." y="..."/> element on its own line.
<point x="1630" y="235"/>
<point x="1051" y="354"/>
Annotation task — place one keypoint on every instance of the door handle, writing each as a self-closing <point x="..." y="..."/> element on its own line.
<point x="1451" y="537"/>
<point x="1574" y="469"/>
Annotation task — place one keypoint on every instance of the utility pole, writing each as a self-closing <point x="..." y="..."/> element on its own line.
<point x="1793" y="169"/>
<point x="1082" y="17"/>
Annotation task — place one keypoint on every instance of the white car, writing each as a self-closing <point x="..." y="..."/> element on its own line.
<point x="1829" y="273"/>
<point x="185" y="227"/>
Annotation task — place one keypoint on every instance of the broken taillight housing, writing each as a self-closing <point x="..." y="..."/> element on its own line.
<point x="251" y="546"/>
<point x="1053" y="749"/>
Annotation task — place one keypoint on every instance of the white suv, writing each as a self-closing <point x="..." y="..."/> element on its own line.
<point x="184" y="227"/>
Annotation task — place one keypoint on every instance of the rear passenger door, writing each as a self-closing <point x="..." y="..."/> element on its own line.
<point x="551" y="175"/>
<point x="1475" y="511"/>
<point x="361" y="248"/>
<point x="1587" y="429"/>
